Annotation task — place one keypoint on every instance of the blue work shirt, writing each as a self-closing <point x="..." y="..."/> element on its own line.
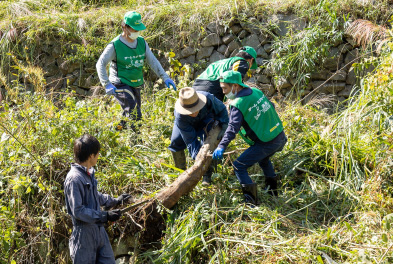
<point x="83" y="200"/>
<point x="192" y="127"/>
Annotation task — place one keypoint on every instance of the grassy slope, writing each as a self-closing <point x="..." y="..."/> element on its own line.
<point x="169" y="23"/>
<point x="333" y="211"/>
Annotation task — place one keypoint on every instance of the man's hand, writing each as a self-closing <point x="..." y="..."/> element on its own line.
<point x="123" y="198"/>
<point x="114" y="215"/>
<point x="169" y="82"/>
<point x="110" y="89"/>
<point x="218" y="153"/>
<point x="224" y="127"/>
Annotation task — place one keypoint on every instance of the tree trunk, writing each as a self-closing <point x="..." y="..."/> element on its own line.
<point x="148" y="221"/>
<point x="190" y="177"/>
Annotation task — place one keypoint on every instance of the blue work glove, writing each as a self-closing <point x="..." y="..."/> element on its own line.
<point x="218" y="153"/>
<point x="110" y="89"/>
<point x="169" y="82"/>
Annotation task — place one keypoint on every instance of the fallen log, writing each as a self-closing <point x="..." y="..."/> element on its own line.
<point x="146" y="220"/>
<point x="186" y="182"/>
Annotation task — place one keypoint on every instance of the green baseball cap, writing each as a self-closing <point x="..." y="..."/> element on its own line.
<point x="134" y="20"/>
<point x="253" y="53"/>
<point x="232" y="77"/>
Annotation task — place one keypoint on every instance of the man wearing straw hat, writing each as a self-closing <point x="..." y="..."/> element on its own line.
<point x="195" y="114"/>
<point x="126" y="54"/>
<point x="254" y="117"/>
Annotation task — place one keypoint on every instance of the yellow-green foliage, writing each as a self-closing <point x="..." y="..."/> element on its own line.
<point x="335" y="202"/>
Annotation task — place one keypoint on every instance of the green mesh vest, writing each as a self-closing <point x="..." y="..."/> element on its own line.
<point x="260" y="115"/>
<point x="130" y="61"/>
<point x="214" y="70"/>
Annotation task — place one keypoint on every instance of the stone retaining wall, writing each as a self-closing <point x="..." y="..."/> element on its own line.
<point x="218" y="43"/>
<point x="221" y="43"/>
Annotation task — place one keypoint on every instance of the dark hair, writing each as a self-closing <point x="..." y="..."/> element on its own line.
<point x="244" y="55"/>
<point x="123" y="24"/>
<point x="84" y="147"/>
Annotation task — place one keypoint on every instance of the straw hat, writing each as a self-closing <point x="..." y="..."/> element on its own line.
<point x="189" y="101"/>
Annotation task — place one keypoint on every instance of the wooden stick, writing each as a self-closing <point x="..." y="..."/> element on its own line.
<point x="229" y="152"/>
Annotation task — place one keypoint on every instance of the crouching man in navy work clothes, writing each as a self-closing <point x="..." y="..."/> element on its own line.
<point x="89" y="242"/>
<point x="195" y="114"/>
<point x="254" y="117"/>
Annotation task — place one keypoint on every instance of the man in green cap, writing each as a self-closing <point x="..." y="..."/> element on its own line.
<point x="126" y="54"/>
<point x="255" y="118"/>
<point x="208" y="81"/>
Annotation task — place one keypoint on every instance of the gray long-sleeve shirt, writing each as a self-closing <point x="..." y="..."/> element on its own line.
<point x="109" y="56"/>
<point x="83" y="200"/>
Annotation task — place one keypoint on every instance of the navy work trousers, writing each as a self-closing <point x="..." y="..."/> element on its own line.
<point x="89" y="244"/>
<point x="178" y="144"/>
<point x="129" y="99"/>
<point x="212" y="87"/>
<point x="259" y="152"/>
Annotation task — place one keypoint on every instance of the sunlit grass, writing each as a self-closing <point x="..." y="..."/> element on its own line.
<point x="336" y="184"/>
<point x="331" y="204"/>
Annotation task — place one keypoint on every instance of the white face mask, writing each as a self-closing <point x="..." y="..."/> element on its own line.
<point x="231" y="95"/>
<point x="134" y="35"/>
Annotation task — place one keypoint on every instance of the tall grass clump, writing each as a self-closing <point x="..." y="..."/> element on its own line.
<point x="301" y="53"/>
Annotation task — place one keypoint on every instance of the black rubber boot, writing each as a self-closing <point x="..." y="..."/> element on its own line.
<point x="207" y="178"/>
<point x="135" y="126"/>
<point x="271" y="185"/>
<point x="250" y="192"/>
<point x="179" y="158"/>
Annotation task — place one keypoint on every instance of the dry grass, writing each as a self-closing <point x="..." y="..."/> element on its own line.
<point x="366" y="33"/>
<point x="322" y="101"/>
<point x="19" y="9"/>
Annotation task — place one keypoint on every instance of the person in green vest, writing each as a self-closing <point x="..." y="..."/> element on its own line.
<point x="126" y="54"/>
<point x="208" y="81"/>
<point x="254" y="117"/>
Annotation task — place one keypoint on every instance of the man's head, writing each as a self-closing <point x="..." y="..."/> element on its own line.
<point x="132" y="24"/>
<point x="134" y="20"/>
<point x="86" y="147"/>
<point x="231" y="83"/>
<point x="248" y="53"/>
<point x="190" y="102"/>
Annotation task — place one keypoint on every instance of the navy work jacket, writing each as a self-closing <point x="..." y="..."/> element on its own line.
<point x="193" y="127"/>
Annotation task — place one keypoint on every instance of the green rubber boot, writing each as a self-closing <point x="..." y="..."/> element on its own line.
<point x="179" y="158"/>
